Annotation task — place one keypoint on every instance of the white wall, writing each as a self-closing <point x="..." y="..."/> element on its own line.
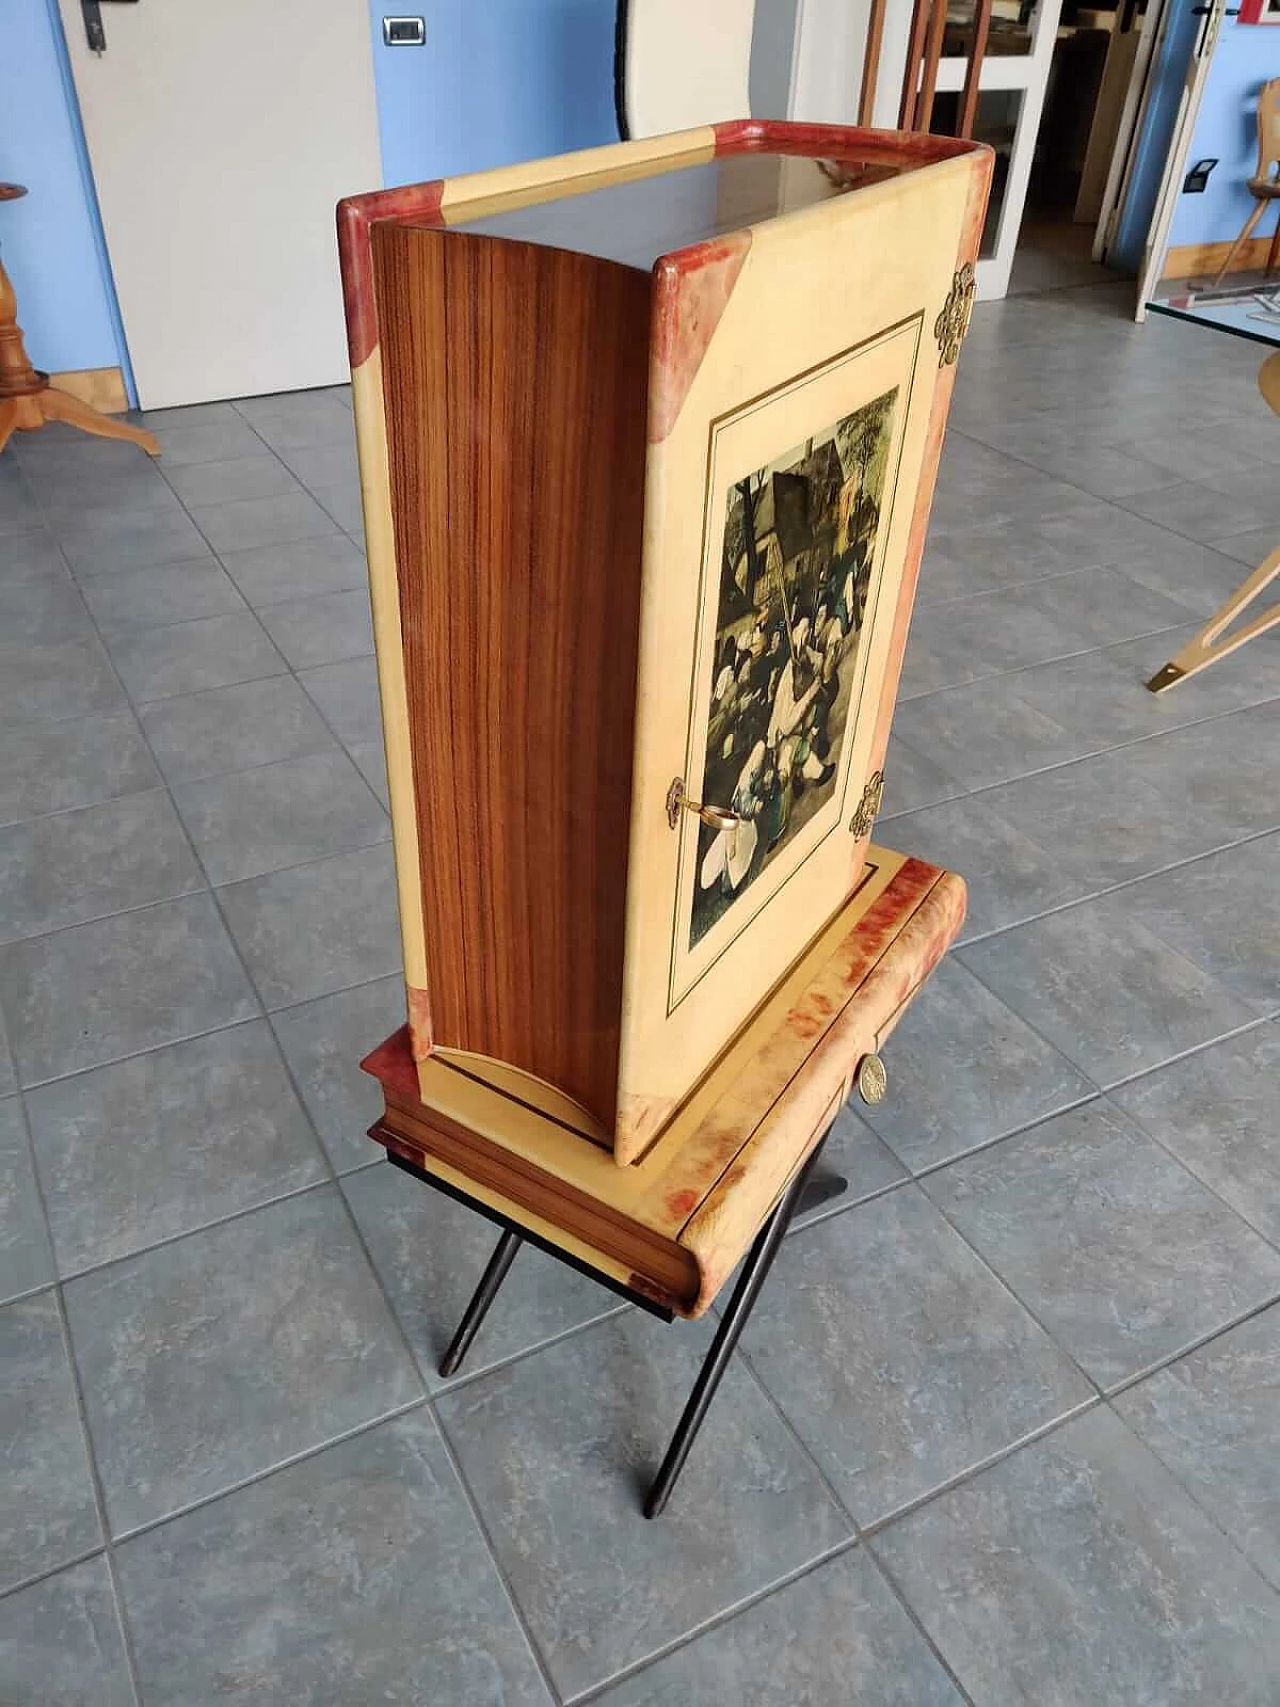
<point x="830" y="43"/>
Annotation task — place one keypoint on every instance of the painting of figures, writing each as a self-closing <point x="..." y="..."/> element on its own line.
<point x="799" y="546"/>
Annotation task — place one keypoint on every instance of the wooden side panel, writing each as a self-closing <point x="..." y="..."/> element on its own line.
<point x="515" y="383"/>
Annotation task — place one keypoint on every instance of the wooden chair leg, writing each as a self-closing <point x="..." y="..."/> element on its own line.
<point x="1235" y="248"/>
<point x="755" y="1271"/>
<point x="1273" y="254"/>
<point x="484" y="1295"/>
<point x="1205" y="648"/>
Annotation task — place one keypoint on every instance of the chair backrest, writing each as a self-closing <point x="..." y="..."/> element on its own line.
<point x="1269" y="129"/>
<point x="681" y="63"/>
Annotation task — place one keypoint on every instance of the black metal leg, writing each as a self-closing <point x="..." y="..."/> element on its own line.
<point x="754" y="1272"/>
<point x="484" y="1295"/>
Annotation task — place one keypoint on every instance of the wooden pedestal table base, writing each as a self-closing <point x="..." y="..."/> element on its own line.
<point x="723" y="1181"/>
<point x="27" y="400"/>
<point x="1211" y="644"/>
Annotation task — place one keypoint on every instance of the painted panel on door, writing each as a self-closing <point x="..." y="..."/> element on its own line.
<point x="792" y="562"/>
<point x="799" y="535"/>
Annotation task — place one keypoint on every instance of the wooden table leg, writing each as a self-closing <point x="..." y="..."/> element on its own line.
<point x="27" y="400"/>
<point x="1206" y="648"/>
<point x="62" y="406"/>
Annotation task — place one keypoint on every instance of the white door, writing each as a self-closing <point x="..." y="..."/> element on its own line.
<point x="1197" y="75"/>
<point x="220" y="136"/>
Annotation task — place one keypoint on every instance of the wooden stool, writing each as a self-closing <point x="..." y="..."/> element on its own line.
<point x="724" y="1180"/>
<point x="1207" y="647"/>
<point x="27" y="400"/>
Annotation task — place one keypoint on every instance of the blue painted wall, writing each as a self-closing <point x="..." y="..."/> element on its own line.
<point x="1246" y="56"/>
<point x="496" y="81"/>
<point x="1152" y="150"/>
<point x="52" y="241"/>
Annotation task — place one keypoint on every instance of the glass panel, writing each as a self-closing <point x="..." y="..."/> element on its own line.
<point x="635" y="222"/>
<point x="799" y="541"/>
<point x="1011" y="25"/>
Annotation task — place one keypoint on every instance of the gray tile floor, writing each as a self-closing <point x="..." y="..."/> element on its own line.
<point x="1006" y="1427"/>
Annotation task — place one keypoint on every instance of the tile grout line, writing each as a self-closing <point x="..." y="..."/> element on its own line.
<point x="1237" y="1320"/>
<point x="981" y="1466"/>
<point x="1095" y="1387"/>
<point x="275" y="1468"/>
<point x="206" y="1031"/>
<point x="1111" y="889"/>
<point x="82" y="1416"/>
<point x="1196" y="1496"/>
<point x="428" y="1400"/>
<point x="487" y="1541"/>
<point x="1206" y="1185"/>
<point x="859" y="1533"/>
<point x="970" y="789"/>
<point x="459" y="1383"/>
<point x="909" y="696"/>
<point x="715" y="1621"/>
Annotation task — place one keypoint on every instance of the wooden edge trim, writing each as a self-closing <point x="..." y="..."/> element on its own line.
<point x="814" y="1021"/>
<point x="840" y="142"/>
<point x="356" y="215"/>
<point x="691" y="290"/>
<point x="476" y="194"/>
<point x="588" y="1219"/>
<point x="542" y="1232"/>
<point x="384" y="597"/>
<point x="736" y="1206"/>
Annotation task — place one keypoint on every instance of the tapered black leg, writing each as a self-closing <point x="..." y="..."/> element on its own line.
<point x="484" y="1295"/>
<point x="754" y="1272"/>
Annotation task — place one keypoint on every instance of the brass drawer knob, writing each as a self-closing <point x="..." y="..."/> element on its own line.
<point x="872" y="1080"/>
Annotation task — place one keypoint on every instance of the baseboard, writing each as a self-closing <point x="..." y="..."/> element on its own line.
<point x="101" y="387"/>
<point x="1191" y="260"/>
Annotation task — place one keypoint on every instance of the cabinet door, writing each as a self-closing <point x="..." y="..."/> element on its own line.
<point x="797" y="395"/>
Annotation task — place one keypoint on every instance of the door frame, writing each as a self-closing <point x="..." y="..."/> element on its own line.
<point x="1132" y="117"/>
<point x="1195" y="77"/>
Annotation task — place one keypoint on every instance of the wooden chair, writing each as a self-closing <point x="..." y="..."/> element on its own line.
<point x="1264" y="186"/>
<point x="1208" y="646"/>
